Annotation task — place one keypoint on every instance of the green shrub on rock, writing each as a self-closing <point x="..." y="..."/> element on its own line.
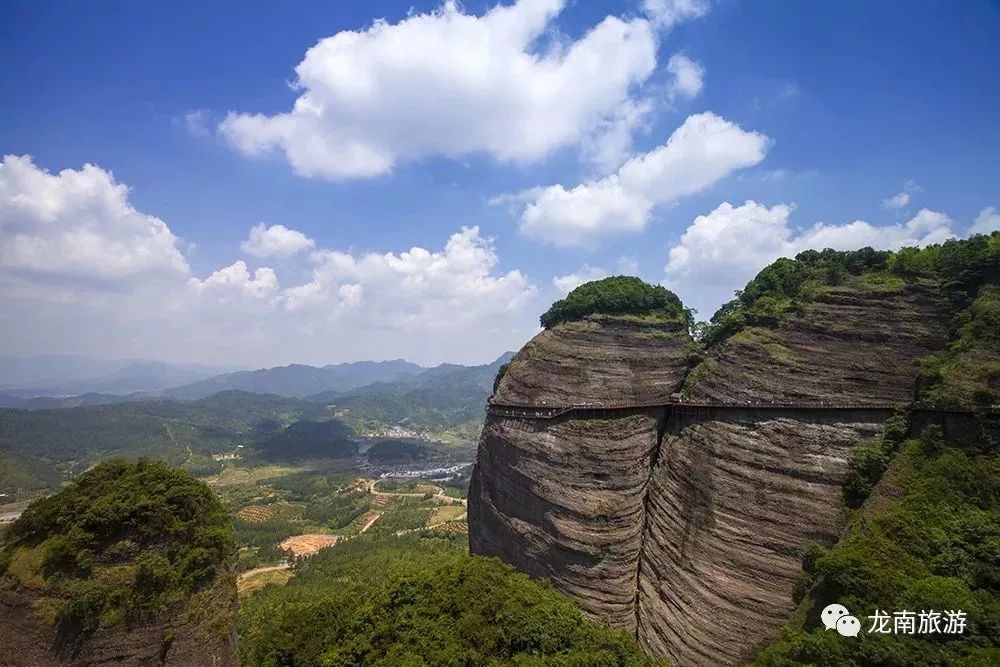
<point x="618" y="295"/>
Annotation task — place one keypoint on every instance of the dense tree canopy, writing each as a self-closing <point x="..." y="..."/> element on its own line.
<point x="961" y="267"/>
<point x="122" y="542"/>
<point x="930" y="539"/>
<point x="309" y="439"/>
<point x="618" y="295"/>
<point x="417" y="601"/>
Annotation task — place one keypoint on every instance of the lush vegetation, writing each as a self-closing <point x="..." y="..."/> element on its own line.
<point x="928" y="538"/>
<point x="123" y="542"/>
<point x="416" y="601"/>
<point x="961" y="267"/>
<point x="62" y="442"/>
<point x="395" y="450"/>
<point x="968" y="373"/>
<point x="445" y="402"/>
<point x="307" y="439"/>
<point x="618" y="295"/>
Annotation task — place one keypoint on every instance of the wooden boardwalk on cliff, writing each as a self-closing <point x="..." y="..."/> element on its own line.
<point x="693" y="408"/>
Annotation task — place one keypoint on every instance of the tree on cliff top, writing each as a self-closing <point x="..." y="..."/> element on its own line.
<point x="121" y="543"/>
<point x="617" y="295"/>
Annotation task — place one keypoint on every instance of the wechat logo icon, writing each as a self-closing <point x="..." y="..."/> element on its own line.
<point x="836" y="617"/>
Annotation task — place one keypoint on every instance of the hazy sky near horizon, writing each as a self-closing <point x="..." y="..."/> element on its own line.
<point x="319" y="182"/>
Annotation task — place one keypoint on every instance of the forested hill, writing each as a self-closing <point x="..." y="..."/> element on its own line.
<point x="419" y="600"/>
<point x="298" y="381"/>
<point x="37" y="447"/>
<point x="129" y="564"/>
<point x="445" y="397"/>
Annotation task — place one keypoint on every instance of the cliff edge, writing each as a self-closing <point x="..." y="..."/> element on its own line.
<point x="687" y="526"/>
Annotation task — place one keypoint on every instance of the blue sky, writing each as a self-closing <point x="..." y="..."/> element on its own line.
<point x="546" y="133"/>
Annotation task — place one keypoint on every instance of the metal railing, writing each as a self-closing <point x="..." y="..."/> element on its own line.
<point x="544" y="411"/>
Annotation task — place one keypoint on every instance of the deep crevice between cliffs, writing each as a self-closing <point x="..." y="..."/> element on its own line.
<point x="661" y="428"/>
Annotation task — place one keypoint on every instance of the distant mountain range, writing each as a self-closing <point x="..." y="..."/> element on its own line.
<point x="384" y="391"/>
<point x="67" y="375"/>
<point x="299" y="381"/>
<point x="442" y="397"/>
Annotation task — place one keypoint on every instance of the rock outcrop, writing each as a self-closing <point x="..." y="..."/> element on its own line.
<point x="688" y="528"/>
<point x="846" y="346"/>
<point x="565" y="499"/>
<point x="200" y="632"/>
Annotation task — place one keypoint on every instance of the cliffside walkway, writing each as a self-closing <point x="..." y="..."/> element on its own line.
<point x="680" y="407"/>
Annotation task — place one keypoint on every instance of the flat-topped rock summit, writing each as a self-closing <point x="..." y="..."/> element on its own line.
<point x="688" y="529"/>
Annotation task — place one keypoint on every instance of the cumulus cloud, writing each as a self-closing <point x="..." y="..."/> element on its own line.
<point x="687" y="77"/>
<point x="901" y="199"/>
<point x="447" y="83"/>
<point x="722" y="250"/>
<point x="236" y="281"/>
<point x="82" y="271"/>
<point x="275" y="241"/>
<point x="418" y="287"/>
<point x="897" y="201"/>
<point x="569" y="282"/>
<point x="667" y="13"/>
<point x="78" y="225"/>
<point x="702" y="151"/>
<point x="987" y="221"/>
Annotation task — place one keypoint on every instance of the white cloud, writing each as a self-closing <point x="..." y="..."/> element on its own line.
<point x="83" y="272"/>
<point x="722" y="250"/>
<point x="235" y="281"/>
<point x="197" y="123"/>
<point x="670" y="12"/>
<point x="569" y="282"/>
<point x="416" y="288"/>
<point x="275" y="241"/>
<point x="611" y="144"/>
<point x="78" y="225"/>
<point x="451" y="84"/>
<point x="702" y="151"/>
<point x="897" y="201"/>
<point x="987" y="221"/>
<point x="688" y="77"/>
<point x="902" y="199"/>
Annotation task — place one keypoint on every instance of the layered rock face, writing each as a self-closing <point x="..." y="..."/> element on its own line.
<point x="599" y="359"/>
<point x="565" y="498"/>
<point x="200" y="632"/>
<point x="699" y="517"/>
<point x="848" y="346"/>
<point x="732" y="503"/>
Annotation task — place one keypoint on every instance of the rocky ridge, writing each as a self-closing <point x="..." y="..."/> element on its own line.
<point x="699" y="521"/>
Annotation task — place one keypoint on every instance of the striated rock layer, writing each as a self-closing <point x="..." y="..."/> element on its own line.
<point x="734" y="500"/>
<point x="848" y="346"/>
<point x="565" y="498"/>
<point x="200" y="632"/>
<point x="687" y="527"/>
<point x="599" y="359"/>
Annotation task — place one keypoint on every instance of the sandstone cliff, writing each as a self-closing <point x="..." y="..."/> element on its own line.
<point x="565" y="499"/>
<point x="688" y="528"/>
